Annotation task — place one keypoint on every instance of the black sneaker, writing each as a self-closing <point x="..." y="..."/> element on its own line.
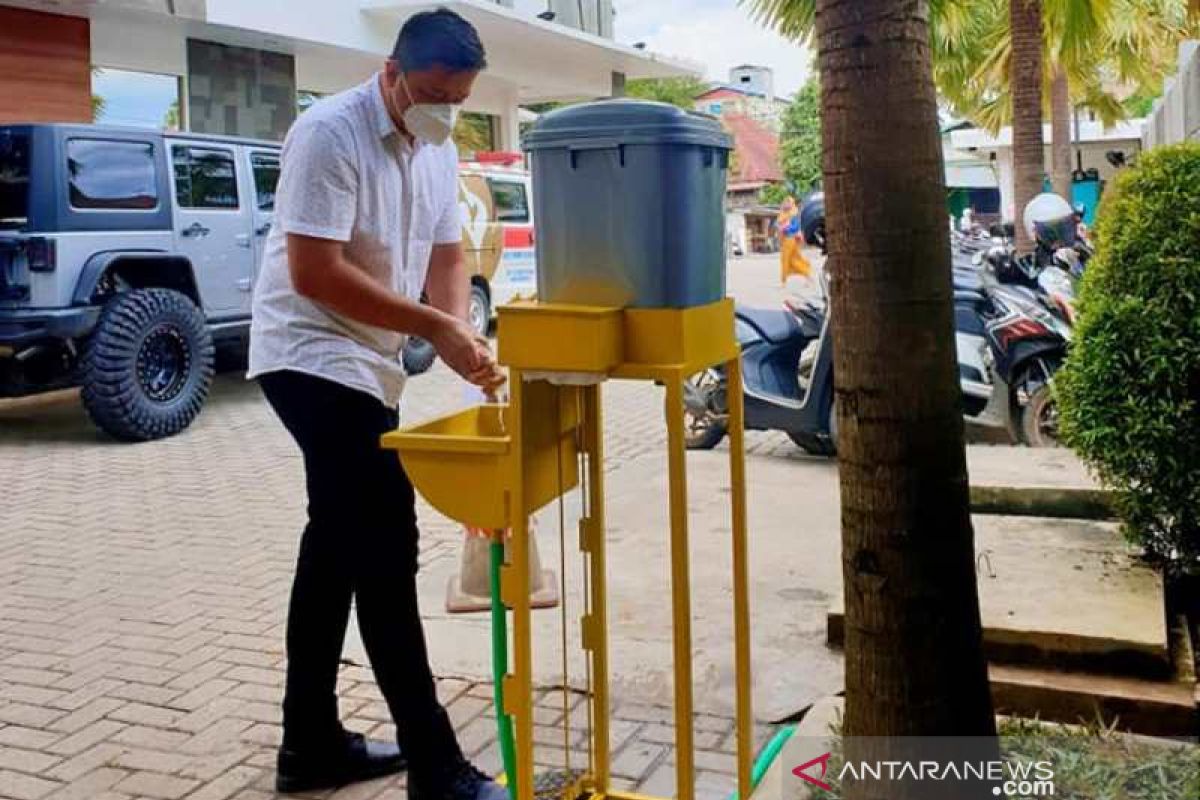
<point x="466" y="783"/>
<point x="357" y="760"/>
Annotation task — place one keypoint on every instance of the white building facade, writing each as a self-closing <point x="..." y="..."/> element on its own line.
<point x="1092" y="146"/>
<point x="240" y="65"/>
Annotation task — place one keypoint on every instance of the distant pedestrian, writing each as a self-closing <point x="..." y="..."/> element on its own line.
<point x="791" y="243"/>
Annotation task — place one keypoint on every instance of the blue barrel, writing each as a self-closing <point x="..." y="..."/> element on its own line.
<point x="630" y="205"/>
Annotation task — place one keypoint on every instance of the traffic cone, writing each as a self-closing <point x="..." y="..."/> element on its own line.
<point x="469" y="591"/>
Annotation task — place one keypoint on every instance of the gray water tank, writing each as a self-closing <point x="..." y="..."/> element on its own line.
<point x="630" y="205"/>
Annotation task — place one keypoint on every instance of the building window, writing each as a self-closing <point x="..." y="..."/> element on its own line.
<point x="240" y="91"/>
<point x="14" y="179"/>
<point x="136" y="99"/>
<point x="266" y="177"/>
<point x="111" y="175"/>
<point x="715" y="109"/>
<point x="205" y="178"/>
<point x="512" y="204"/>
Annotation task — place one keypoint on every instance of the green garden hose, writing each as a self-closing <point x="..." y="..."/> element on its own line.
<point x="500" y="670"/>
<point x="767" y="757"/>
<point x="500" y="666"/>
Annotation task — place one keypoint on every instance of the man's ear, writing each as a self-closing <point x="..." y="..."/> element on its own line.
<point x="391" y="71"/>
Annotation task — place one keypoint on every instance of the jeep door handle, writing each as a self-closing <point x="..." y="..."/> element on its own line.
<point x="263" y="230"/>
<point x="196" y="229"/>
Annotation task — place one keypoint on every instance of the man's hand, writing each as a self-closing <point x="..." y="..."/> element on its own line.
<point x="466" y="353"/>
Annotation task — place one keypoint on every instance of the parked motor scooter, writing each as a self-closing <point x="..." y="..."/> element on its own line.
<point x="1009" y="348"/>
<point x="779" y="348"/>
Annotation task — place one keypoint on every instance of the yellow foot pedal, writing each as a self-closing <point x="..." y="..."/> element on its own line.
<point x="558" y="785"/>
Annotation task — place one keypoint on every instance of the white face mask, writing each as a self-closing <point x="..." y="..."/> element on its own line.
<point x="430" y="122"/>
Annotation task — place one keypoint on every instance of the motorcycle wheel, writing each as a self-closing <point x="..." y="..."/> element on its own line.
<point x="1039" y="419"/>
<point x="705" y="431"/>
<point x="814" y="445"/>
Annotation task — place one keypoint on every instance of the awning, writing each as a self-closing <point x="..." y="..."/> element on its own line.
<point x="546" y="60"/>
<point x="971" y="176"/>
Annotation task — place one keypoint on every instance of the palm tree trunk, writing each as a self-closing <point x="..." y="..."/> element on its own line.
<point x="1060" y="120"/>
<point x="1029" y="149"/>
<point x="914" y="660"/>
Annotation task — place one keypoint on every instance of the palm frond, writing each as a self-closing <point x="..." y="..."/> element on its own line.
<point x="793" y="19"/>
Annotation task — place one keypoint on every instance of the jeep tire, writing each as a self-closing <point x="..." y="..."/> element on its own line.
<point x="147" y="368"/>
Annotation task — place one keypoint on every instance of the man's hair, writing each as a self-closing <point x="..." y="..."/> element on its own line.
<point x="439" y="38"/>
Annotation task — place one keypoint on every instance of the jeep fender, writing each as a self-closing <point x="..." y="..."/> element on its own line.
<point x="142" y="269"/>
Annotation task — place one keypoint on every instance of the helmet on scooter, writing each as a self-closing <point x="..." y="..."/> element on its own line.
<point x="1050" y="221"/>
<point x="812" y="219"/>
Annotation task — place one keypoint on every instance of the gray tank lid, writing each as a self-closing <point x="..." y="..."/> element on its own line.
<point x="611" y="123"/>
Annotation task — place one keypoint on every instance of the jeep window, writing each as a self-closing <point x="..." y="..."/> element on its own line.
<point x="111" y="176"/>
<point x="512" y="204"/>
<point x="205" y="177"/>
<point x="266" y="176"/>
<point x="14" y="179"/>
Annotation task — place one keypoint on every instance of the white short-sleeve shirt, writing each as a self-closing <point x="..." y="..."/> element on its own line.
<point x="348" y="175"/>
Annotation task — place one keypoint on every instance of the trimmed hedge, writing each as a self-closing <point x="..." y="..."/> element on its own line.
<point x="1129" y="394"/>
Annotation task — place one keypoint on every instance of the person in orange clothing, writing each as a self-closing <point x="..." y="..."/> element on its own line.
<point x="791" y="243"/>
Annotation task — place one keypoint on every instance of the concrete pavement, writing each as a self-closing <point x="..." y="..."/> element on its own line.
<point x="144" y="591"/>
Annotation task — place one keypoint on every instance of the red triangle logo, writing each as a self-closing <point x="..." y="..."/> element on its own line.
<point x="801" y="772"/>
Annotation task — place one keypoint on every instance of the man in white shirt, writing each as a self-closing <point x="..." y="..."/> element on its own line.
<point x="366" y="222"/>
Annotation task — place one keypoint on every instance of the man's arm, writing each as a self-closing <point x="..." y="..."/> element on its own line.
<point x="448" y="285"/>
<point x="321" y="273"/>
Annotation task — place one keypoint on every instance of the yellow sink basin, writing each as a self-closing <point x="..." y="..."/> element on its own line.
<point x="464" y="464"/>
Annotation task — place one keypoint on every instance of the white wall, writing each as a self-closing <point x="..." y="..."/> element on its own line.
<point x="1094" y="157"/>
<point x="140" y="44"/>
<point x="1176" y="115"/>
<point x="332" y="22"/>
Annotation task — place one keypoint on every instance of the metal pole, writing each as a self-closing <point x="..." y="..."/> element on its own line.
<point x="596" y="626"/>
<point x="741" y="579"/>
<point x="681" y="606"/>
<point x="517" y="597"/>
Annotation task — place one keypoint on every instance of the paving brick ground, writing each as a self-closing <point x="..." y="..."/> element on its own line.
<point x="142" y="600"/>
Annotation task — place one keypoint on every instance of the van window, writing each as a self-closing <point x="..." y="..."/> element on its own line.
<point x="205" y="177"/>
<point x="14" y="179"/>
<point x="266" y="176"/>
<point x="111" y="175"/>
<point x="512" y="203"/>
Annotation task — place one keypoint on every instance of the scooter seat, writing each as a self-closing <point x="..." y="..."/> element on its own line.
<point x="774" y="326"/>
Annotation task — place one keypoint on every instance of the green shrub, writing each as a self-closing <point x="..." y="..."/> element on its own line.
<point x="1130" y="392"/>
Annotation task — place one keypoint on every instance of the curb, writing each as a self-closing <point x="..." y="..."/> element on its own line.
<point x="1047" y="502"/>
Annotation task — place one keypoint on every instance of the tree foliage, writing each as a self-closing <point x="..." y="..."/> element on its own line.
<point x="473" y="134"/>
<point x="1130" y="391"/>
<point x="800" y="138"/>
<point x="1101" y="44"/>
<point x="680" y="92"/>
<point x="773" y="194"/>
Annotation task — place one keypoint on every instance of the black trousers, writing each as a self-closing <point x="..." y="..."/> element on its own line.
<point x="360" y="542"/>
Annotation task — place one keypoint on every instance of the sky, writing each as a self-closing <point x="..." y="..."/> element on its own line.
<point x="716" y="33"/>
<point x="134" y="98"/>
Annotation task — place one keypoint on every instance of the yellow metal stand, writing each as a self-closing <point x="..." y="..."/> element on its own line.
<point x="492" y="467"/>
